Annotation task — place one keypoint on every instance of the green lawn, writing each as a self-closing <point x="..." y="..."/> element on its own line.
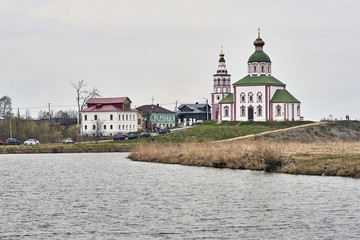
<point x="211" y="131"/>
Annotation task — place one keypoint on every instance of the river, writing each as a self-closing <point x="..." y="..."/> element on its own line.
<point x="107" y="196"/>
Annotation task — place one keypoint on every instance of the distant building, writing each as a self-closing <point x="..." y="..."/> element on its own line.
<point x="141" y="122"/>
<point x="257" y="97"/>
<point x="109" y="115"/>
<point x="155" y="116"/>
<point x="193" y="113"/>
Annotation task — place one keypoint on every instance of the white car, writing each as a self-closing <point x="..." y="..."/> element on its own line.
<point x="31" y="142"/>
<point x="67" y="140"/>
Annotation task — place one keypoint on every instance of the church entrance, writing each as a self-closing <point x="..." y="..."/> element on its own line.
<point x="250" y="114"/>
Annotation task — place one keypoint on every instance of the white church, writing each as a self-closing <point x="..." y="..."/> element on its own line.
<point x="257" y="97"/>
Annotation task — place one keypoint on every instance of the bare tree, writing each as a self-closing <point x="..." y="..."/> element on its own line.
<point x="83" y="95"/>
<point x="98" y="131"/>
<point x="5" y="105"/>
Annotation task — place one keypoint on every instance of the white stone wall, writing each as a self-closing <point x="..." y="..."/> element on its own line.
<point x="254" y="90"/>
<point x="223" y="111"/>
<point x="122" y="121"/>
<point x="288" y="112"/>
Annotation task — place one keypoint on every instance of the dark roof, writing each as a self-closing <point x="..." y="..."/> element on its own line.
<point x="153" y="109"/>
<point x="195" y="108"/>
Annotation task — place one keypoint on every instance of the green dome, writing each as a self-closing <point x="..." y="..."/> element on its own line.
<point x="259" y="56"/>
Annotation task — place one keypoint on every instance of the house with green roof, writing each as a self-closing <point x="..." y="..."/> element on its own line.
<point x="258" y="96"/>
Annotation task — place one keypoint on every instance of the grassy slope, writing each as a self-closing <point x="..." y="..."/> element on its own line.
<point x="211" y="131"/>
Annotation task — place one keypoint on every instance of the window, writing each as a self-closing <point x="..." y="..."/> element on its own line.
<point x="119" y="117"/>
<point x="95" y="117"/>
<point x="242" y="97"/>
<point x="218" y="97"/>
<point x="139" y="121"/>
<point x="94" y="127"/>
<point x="259" y="110"/>
<point x="226" y="112"/>
<point x="242" y="111"/>
<point x="104" y="127"/>
<point x="123" y="116"/>
<point x="259" y="97"/>
<point x="119" y="127"/>
<point x="111" y="117"/>
<point x="85" y="126"/>
<point x="278" y="110"/>
<point x="298" y="110"/>
<point x="262" y="69"/>
<point x="126" y="117"/>
<point x="254" y="68"/>
<point x="85" y="117"/>
<point x="111" y="127"/>
<point x="250" y="97"/>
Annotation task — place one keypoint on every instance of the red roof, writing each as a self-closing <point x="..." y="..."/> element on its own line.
<point x="106" y="104"/>
<point x="107" y="100"/>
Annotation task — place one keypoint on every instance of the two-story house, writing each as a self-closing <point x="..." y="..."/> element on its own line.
<point x="108" y="116"/>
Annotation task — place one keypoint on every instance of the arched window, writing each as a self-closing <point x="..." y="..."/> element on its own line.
<point x="259" y="97"/>
<point x="242" y="111"/>
<point x="278" y="110"/>
<point x="250" y="97"/>
<point x="226" y="112"/>
<point x="262" y="69"/>
<point x="259" y="110"/>
<point x="254" y="68"/>
<point x="242" y="97"/>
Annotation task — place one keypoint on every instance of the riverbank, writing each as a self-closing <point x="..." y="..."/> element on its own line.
<point x="68" y="148"/>
<point x="330" y="158"/>
<point x="331" y="149"/>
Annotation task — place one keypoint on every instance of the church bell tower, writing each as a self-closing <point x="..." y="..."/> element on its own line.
<point x="221" y="87"/>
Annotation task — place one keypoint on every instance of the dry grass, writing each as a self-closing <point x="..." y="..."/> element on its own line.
<point x="336" y="158"/>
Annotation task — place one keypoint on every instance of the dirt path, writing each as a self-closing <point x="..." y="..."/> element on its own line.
<point x="274" y="131"/>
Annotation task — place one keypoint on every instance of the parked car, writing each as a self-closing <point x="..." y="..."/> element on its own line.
<point x="1" y="142"/>
<point x="118" y="137"/>
<point x="67" y="140"/>
<point x="164" y="130"/>
<point x="31" y="142"/>
<point x="144" y="134"/>
<point x="12" y="141"/>
<point x="132" y="136"/>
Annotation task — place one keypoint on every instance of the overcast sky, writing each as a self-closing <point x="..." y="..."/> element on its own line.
<point x="170" y="50"/>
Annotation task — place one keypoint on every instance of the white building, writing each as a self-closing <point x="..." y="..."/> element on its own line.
<point x="256" y="97"/>
<point x="109" y="115"/>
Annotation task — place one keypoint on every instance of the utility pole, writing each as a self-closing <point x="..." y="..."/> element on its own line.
<point x="49" y="113"/>
<point x="176" y="105"/>
<point x="207" y="110"/>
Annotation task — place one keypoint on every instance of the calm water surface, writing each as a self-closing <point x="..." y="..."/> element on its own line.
<point x="107" y="196"/>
